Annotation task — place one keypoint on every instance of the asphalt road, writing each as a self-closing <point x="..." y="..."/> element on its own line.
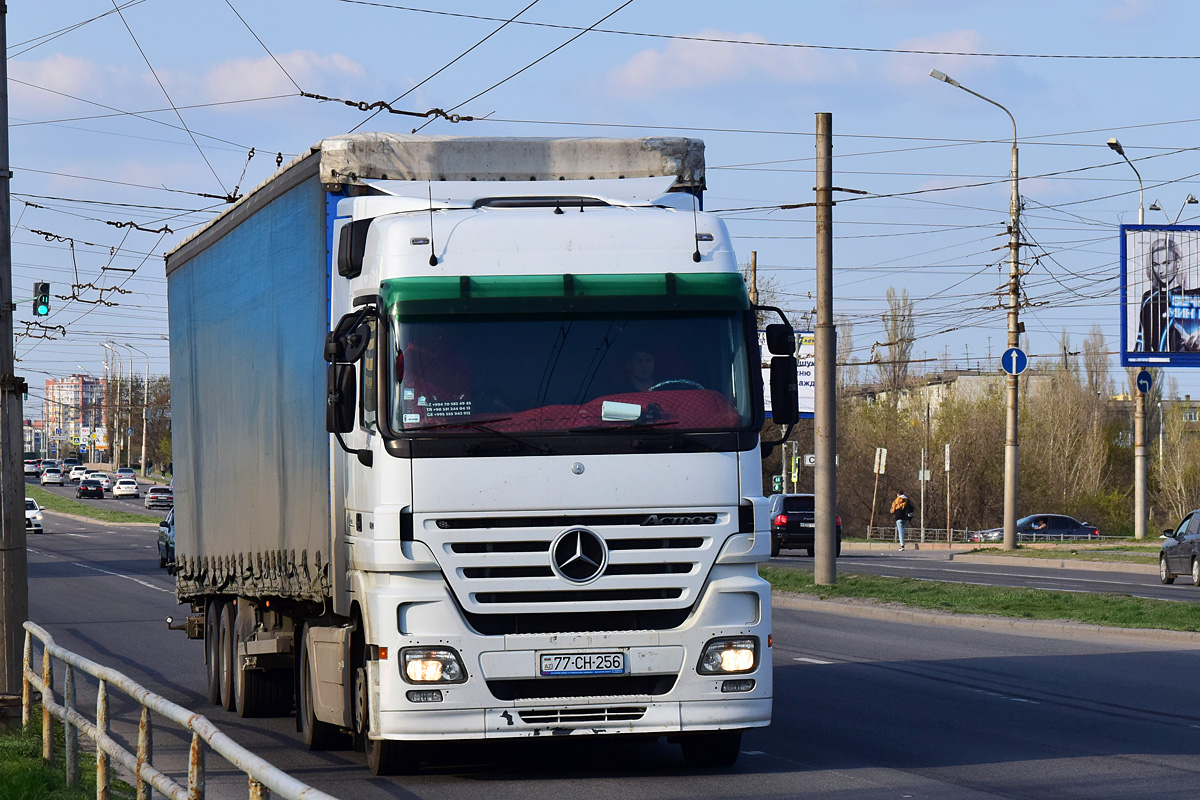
<point x="1023" y="573"/>
<point x="864" y="709"/>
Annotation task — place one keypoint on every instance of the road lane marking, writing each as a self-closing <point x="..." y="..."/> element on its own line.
<point x="126" y="577"/>
<point x="812" y="660"/>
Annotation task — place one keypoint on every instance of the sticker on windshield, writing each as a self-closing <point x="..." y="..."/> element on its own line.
<point x="412" y="419"/>
<point x="447" y="408"/>
<point x="421" y="400"/>
<point x="409" y="394"/>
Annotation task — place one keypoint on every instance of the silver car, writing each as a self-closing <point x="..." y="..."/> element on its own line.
<point x="53" y="475"/>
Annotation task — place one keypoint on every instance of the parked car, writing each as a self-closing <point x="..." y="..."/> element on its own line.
<point x="53" y="475"/>
<point x="793" y="524"/>
<point x="77" y="474"/>
<point x="166" y="540"/>
<point x="126" y="487"/>
<point x="89" y="488"/>
<point x="102" y="478"/>
<point x="31" y="466"/>
<point x="1180" y="551"/>
<point x="159" y="497"/>
<point x="33" y="516"/>
<point x="1042" y="528"/>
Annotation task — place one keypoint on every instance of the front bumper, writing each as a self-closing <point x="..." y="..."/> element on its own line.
<point x="505" y="697"/>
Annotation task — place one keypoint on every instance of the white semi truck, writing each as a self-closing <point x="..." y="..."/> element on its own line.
<point x="466" y="445"/>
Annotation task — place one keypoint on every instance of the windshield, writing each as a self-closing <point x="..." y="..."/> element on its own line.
<point x="569" y="353"/>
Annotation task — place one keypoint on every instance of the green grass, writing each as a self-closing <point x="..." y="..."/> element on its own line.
<point x="66" y="505"/>
<point x="1114" y="610"/>
<point x="24" y="776"/>
<point x="1133" y="554"/>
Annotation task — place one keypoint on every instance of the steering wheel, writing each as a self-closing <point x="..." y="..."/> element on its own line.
<point x="674" y="385"/>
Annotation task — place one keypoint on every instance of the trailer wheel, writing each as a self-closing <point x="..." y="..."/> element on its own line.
<point x="225" y="648"/>
<point x="718" y="750"/>
<point x="257" y="692"/>
<point x="317" y="735"/>
<point x="212" y="622"/>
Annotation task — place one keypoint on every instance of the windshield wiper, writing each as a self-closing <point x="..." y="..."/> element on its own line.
<point x="483" y="427"/>
<point x="659" y="427"/>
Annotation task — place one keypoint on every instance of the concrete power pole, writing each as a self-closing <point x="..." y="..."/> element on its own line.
<point x="14" y="576"/>
<point x="824" y="368"/>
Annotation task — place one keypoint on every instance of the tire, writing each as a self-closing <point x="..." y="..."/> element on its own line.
<point x="212" y="623"/>
<point x="776" y="546"/>
<point x="1164" y="573"/>
<point x="718" y="750"/>
<point x="384" y="756"/>
<point x="837" y="551"/>
<point x="257" y="692"/>
<point x="317" y="735"/>
<point x="162" y="561"/>
<point x="225" y="649"/>
<point x="1195" y="572"/>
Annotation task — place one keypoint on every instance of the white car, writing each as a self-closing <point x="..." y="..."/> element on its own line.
<point x="33" y="516"/>
<point x="102" y="478"/>
<point x="77" y="474"/>
<point x="126" y="487"/>
<point x="31" y="467"/>
<point x="53" y="475"/>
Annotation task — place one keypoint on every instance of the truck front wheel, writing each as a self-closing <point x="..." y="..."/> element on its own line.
<point x="717" y="750"/>
<point x="384" y="756"/>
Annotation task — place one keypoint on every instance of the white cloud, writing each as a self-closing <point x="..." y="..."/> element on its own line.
<point x="262" y="77"/>
<point x="1130" y="10"/>
<point x="687" y="64"/>
<point x="59" y="73"/>
<point x="909" y="69"/>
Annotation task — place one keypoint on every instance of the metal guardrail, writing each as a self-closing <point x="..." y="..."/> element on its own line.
<point x="263" y="777"/>
<point x="913" y="534"/>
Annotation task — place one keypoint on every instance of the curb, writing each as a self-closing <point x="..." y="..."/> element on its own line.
<point x="93" y="520"/>
<point x="1050" y="563"/>
<point x="1055" y="629"/>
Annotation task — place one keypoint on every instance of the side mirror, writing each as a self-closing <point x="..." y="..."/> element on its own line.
<point x="341" y="398"/>
<point x="1167" y="534"/>
<point x="346" y="343"/>
<point x="785" y="400"/>
<point x="781" y="339"/>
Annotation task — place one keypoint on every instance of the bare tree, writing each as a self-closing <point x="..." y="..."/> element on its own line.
<point x="1095" y="361"/>
<point x="847" y="370"/>
<point x="897" y="345"/>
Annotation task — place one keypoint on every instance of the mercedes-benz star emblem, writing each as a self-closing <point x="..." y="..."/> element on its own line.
<point x="578" y="555"/>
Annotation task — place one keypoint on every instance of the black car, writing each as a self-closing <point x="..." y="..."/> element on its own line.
<point x="1042" y="528"/>
<point x="1180" y="552"/>
<point x="89" y="488"/>
<point x="793" y="524"/>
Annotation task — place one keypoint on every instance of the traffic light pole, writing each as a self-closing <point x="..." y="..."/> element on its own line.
<point x="14" y="589"/>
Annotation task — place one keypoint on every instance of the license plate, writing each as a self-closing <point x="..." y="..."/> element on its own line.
<point x="582" y="663"/>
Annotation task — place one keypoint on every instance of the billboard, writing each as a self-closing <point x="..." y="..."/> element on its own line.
<point x="805" y="372"/>
<point x="1160" y="295"/>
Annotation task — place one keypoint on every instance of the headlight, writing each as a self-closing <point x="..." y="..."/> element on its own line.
<point x="729" y="655"/>
<point x="38" y="516"/>
<point x="431" y="665"/>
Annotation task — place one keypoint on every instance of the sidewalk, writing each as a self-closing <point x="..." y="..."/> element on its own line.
<point x="961" y="552"/>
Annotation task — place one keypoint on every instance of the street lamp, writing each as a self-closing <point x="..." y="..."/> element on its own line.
<point x="1191" y="200"/>
<point x="1116" y="146"/>
<point x="1014" y="328"/>
<point x="145" y="403"/>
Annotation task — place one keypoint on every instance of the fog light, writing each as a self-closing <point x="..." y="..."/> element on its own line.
<point x="432" y="695"/>
<point x="431" y="665"/>
<point x="729" y="655"/>
<point x="741" y="685"/>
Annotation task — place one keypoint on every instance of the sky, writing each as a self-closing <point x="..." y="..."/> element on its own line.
<point x="128" y="130"/>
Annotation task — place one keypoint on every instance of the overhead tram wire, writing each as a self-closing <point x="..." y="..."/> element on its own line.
<point x="46" y="38"/>
<point x="536" y="61"/>
<point x="795" y="45"/>
<point x="449" y="64"/>
<point x="167" y="94"/>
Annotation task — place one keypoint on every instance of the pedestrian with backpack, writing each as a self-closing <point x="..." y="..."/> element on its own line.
<point x="902" y="510"/>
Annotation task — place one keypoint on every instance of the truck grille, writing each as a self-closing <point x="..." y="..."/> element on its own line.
<point x="557" y="716"/>
<point x="506" y="565"/>
<point x="575" y="688"/>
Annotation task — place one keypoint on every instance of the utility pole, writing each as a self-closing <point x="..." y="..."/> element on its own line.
<point x="824" y="368"/>
<point x="1014" y="326"/>
<point x="754" y="277"/>
<point x="14" y="576"/>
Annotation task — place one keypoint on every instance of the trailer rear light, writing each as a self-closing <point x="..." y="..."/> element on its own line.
<point x="431" y="665"/>
<point x="780" y="519"/>
<point x="728" y="655"/>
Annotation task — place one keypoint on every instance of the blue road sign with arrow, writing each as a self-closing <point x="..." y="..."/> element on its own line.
<point x="1014" y="361"/>
<point x="1144" y="381"/>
